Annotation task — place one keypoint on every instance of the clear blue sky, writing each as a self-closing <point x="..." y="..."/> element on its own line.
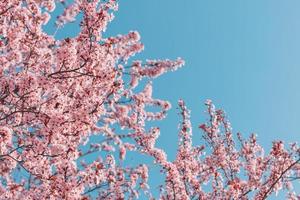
<point x="244" y="55"/>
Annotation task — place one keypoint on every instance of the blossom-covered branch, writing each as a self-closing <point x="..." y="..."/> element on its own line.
<point x="56" y="95"/>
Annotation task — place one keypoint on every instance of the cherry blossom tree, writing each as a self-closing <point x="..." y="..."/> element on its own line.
<point x="56" y="94"/>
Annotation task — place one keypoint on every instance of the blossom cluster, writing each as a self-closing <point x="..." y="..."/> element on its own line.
<point x="55" y="95"/>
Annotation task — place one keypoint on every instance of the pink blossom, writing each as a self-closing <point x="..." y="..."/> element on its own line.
<point x="68" y="107"/>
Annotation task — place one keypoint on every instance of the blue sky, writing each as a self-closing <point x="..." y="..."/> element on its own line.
<point x="241" y="54"/>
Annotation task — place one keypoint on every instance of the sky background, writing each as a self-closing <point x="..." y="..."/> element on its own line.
<point x="244" y="55"/>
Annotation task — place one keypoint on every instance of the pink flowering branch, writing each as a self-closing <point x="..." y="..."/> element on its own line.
<point x="56" y="94"/>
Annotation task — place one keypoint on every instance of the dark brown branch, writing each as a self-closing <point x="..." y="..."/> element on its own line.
<point x="6" y="10"/>
<point x="281" y="175"/>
